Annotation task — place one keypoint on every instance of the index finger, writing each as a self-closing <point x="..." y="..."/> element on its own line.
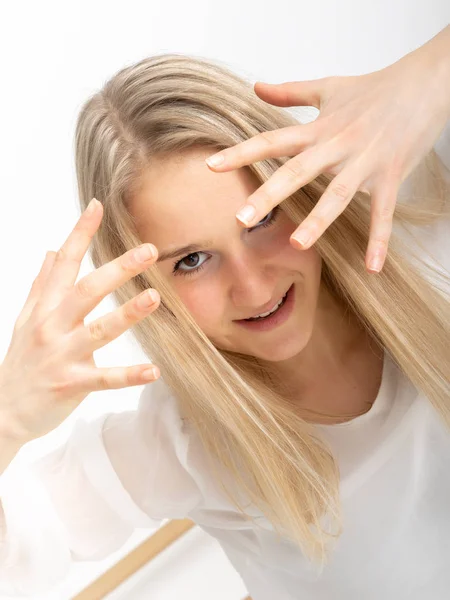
<point x="285" y="181"/>
<point x="68" y="259"/>
<point x="286" y="141"/>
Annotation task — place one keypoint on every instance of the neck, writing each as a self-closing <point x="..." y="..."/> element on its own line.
<point x="339" y="370"/>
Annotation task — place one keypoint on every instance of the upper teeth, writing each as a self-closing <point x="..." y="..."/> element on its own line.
<point x="270" y="311"/>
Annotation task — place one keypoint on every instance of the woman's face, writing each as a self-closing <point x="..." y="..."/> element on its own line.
<point x="235" y="272"/>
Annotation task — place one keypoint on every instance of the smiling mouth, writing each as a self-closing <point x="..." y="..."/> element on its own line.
<point x="274" y="319"/>
<point x="278" y="306"/>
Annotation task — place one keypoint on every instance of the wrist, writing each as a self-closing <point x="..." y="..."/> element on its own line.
<point x="9" y="448"/>
<point x="12" y="434"/>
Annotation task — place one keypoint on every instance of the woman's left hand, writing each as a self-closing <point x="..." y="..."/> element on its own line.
<point x="372" y="131"/>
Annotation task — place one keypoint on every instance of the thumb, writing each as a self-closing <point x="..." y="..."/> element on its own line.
<point x="293" y="93"/>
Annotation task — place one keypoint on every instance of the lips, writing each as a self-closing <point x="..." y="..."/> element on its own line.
<point x="274" y="320"/>
<point x="269" y="307"/>
<point x="272" y="312"/>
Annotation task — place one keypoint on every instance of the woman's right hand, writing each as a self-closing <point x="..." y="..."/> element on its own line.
<point x="49" y="367"/>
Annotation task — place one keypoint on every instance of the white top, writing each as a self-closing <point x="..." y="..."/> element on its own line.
<point x="137" y="468"/>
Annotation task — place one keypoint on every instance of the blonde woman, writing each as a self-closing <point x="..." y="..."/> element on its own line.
<point x="312" y="443"/>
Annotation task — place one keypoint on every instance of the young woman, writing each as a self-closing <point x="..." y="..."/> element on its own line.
<point x="313" y="444"/>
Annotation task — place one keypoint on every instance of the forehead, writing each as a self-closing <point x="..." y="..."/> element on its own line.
<point x="180" y="198"/>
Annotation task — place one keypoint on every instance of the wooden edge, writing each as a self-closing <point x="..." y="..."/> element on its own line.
<point x="134" y="560"/>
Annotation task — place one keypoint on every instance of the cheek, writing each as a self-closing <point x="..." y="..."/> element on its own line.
<point x="204" y="304"/>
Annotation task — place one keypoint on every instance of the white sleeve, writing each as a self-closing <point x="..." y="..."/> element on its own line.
<point x="85" y="499"/>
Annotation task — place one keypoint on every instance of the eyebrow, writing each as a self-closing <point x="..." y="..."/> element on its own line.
<point x="189" y="249"/>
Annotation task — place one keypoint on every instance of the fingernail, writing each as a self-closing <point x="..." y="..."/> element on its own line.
<point x="375" y="264"/>
<point x="146" y="299"/>
<point x="215" y="160"/>
<point x="91" y="206"/>
<point x="302" y="237"/>
<point x="144" y="253"/>
<point x="246" y="214"/>
<point x="152" y="373"/>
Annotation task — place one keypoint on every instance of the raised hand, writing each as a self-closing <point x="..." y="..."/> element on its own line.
<point x="49" y="366"/>
<point x="372" y="131"/>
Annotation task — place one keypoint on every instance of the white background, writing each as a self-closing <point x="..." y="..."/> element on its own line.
<point x="53" y="55"/>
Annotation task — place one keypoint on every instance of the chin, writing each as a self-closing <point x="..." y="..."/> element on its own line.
<point x="284" y="352"/>
<point x="284" y="349"/>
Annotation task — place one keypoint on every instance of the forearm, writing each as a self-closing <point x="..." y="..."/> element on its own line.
<point x="434" y="55"/>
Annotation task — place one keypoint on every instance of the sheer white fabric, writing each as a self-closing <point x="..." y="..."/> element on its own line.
<point x="136" y="468"/>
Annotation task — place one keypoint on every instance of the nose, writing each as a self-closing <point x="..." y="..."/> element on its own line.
<point x="255" y="294"/>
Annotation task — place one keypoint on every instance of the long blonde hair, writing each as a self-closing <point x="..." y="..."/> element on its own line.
<point x="171" y="102"/>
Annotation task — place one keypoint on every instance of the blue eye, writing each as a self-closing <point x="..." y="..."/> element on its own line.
<point x="273" y="214"/>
